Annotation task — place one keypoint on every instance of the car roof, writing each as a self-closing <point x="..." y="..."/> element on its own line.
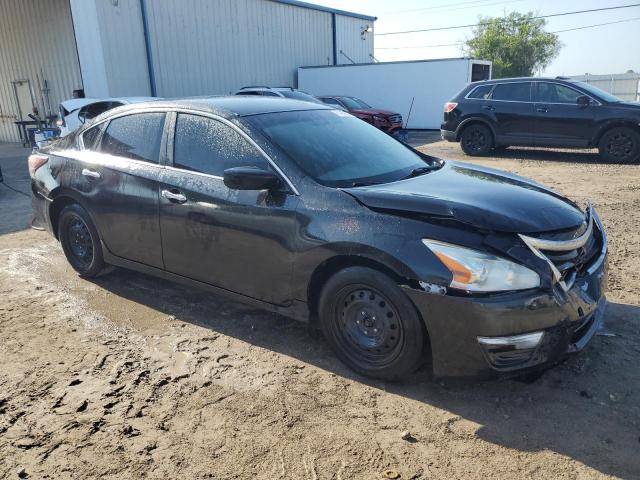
<point x="75" y="103"/>
<point x="230" y="106"/>
<point x="523" y="79"/>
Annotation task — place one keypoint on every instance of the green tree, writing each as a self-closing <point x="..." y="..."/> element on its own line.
<point x="517" y="44"/>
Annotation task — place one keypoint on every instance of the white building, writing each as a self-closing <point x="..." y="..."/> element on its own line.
<point x="165" y="48"/>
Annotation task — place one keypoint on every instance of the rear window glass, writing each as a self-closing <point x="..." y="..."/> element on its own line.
<point x="208" y="146"/>
<point x="481" y="91"/>
<point x="515" y="92"/>
<point x="90" y="136"/>
<point x="135" y="136"/>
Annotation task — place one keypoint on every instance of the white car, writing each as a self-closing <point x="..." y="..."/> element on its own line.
<point x="74" y="112"/>
<point x="283" y="92"/>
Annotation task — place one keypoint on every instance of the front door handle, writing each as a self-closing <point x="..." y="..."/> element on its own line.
<point x="90" y="173"/>
<point x="489" y="107"/>
<point x="542" y="109"/>
<point x="173" y="196"/>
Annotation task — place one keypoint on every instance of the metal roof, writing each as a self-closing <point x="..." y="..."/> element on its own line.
<point x="313" y="6"/>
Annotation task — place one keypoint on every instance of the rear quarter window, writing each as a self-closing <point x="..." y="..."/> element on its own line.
<point x="134" y="136"/>
<point x="480" y="92"/>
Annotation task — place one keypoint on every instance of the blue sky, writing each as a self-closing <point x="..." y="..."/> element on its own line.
<point x="600" y="50"/>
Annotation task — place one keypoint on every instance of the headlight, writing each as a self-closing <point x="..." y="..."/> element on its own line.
<point x="476" y="271"/>
<point x="378" y="118"/>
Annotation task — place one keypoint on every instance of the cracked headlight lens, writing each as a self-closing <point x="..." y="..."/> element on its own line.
<point x="475" y="271"/>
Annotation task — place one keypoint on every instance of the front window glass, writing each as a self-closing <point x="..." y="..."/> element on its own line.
<point x="135" y="136"/>
<point x="513" y="92"/>
<point x="556" y="93"/>
<point x="353" y="103"/>
<point x="607" y="97"/>
<point x="208" y="146"/>
<point x="337" y="149"/>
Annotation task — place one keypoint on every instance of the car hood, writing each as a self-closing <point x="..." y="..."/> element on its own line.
<point x="482" y="197"/>
<point x="628" y="105"/>
<point x="372" y="111"/>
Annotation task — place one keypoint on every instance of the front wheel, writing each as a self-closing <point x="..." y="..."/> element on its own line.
<point x="476" y="140"/>
<point x="620" y="145"/>
<point x="80" y="241"/>
<point x="371" y="324"/>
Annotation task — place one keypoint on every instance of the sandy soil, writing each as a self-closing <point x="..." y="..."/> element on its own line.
<point x="130" y="377"/>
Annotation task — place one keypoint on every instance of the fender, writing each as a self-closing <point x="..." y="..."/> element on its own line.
<point x="612" y="123"/>
<point x="482" y="120"/>
<point x="64" y="192"/>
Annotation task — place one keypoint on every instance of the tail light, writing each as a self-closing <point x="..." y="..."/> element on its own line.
<point x="449" y="106"/>
<point x="35" y="162"/>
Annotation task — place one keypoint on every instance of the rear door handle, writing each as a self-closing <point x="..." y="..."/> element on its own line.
<point x="489" y="107"/>
<point x="542" y="109"/>
<point x="90" y="173"/>
<point x="173" y="196"/>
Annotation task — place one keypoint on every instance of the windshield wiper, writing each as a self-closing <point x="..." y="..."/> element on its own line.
<point x="416" y="172"/>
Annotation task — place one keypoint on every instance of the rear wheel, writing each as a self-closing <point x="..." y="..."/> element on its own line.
<point x="620" y="145"/>
<point x="476" y="140"/>
<point x="371" y="324"/>
<point x="80" y="241"/>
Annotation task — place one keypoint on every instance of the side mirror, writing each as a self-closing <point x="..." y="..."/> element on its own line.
<point x="250" y="178"/>
<point x="583" y="101"/>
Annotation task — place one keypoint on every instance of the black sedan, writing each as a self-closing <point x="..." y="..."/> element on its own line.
<point x="305" y="210"/>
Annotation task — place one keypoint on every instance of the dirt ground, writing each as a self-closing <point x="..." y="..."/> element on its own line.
<point x="134" y="377"/>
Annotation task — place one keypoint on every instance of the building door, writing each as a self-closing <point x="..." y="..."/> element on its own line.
<point x="24" y="99"/>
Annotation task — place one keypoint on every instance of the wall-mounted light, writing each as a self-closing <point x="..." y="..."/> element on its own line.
<point x="366" y="29"/>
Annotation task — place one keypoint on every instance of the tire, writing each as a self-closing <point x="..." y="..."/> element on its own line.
<point x="80" y="241"/>
<point x="620" y="145"/>
<point x="476" y="140"/>
<point x="371" y="324"/>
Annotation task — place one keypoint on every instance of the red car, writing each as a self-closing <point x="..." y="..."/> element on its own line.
<point x="385" y="120"/>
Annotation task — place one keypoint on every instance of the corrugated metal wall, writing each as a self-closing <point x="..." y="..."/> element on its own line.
<point x="623" y="85"/>
<point x="203" y="47"/>
<point x="353" y="43"/>
<point x="36" y="41"/>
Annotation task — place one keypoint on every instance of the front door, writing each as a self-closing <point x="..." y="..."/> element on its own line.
<point x="512" y="110"/>
<point x="236" y="240"/>
<point x="118" y="177"/>
<point x="560" y="121"/>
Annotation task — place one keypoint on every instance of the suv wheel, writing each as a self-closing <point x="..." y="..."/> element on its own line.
<point x="620" y="145"/>
<point x="476" y="140"/>
<point x="371" y="324"/>
<point x="80" y="241"/>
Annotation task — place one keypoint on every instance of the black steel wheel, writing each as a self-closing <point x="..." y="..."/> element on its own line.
<point x="80" y="241"/>
<point x="620" y="145"/>
<point x="371" y="324"/>
<point x="476" y="140"/>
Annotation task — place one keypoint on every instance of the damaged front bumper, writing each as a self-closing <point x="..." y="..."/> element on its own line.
<point x="503" y="334"/>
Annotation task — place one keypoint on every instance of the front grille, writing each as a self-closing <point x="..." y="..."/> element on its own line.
<point x="395" y="118"/>
<point x="569" y="253"/>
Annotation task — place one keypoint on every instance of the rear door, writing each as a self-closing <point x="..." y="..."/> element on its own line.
<point x="236" y="240"/>
<point x="118" y="173"/>
<point x="560" y="121"/>
<point x="511" y="107"/>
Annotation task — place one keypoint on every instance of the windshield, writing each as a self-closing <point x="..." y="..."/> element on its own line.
<point x="297" y="95"/>
<point x="353" y="103"/>
<point x="337" y="149"/>
<point x="601" y="94"/>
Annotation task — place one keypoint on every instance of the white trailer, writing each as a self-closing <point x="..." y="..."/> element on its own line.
<point x="395" y="85"/>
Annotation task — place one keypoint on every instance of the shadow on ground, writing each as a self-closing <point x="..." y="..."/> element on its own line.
<point x="586" y="408"/>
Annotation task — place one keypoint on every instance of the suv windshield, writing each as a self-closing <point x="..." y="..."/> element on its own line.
<point x="337" y="149"/>
<point x="601" y="94"/>
<point x="354" y="103"/>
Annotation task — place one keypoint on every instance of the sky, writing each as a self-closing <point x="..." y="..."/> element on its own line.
<point x="600" y="50"/>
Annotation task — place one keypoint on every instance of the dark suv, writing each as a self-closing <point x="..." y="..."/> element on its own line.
<point x="542" y="112"/>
